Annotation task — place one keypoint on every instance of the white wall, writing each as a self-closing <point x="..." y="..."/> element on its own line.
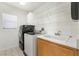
<point x="55" y="16"/>
<point x="9" y="37"/>
<point x="30" y="17"/>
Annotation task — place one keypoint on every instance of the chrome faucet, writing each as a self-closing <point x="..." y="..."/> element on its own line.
<point x="58" y="33"/>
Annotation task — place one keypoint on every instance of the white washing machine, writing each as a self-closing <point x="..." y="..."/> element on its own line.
<point x="30" y="44"/>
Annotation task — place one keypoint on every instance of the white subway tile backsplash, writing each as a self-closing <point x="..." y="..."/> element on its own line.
<point x="56" y="16"/>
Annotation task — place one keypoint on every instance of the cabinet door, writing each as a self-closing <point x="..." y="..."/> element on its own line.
<point x="46" y="48"/>
<point x="42" y="48"/>
<point x="58" y="50"/>
<point x="76" y="52"/>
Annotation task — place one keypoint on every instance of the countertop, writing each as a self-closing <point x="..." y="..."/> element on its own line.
<point x="67" y="42"/>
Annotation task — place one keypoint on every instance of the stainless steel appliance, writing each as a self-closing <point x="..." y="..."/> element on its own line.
<point x="24" y="29"/>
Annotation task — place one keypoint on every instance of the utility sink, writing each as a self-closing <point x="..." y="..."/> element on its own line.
<point x="65" y="38"/>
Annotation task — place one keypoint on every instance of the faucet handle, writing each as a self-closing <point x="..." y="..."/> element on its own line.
<point x="70" y="36"/>
<point x="59" y="31"/>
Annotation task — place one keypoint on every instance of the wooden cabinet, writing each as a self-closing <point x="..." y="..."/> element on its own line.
<point x="47" y="48"/>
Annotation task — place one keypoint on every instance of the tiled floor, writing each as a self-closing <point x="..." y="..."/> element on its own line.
<point x="12" y="52"/>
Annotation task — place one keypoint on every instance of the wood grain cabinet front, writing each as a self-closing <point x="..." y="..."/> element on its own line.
<point x="47" y="48"/>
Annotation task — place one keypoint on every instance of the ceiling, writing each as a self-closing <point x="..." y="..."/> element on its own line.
<point x="29" y="6"/>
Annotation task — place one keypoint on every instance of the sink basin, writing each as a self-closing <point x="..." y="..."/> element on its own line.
<point x="49" y="36"/>
<point x="62" y="38"/>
